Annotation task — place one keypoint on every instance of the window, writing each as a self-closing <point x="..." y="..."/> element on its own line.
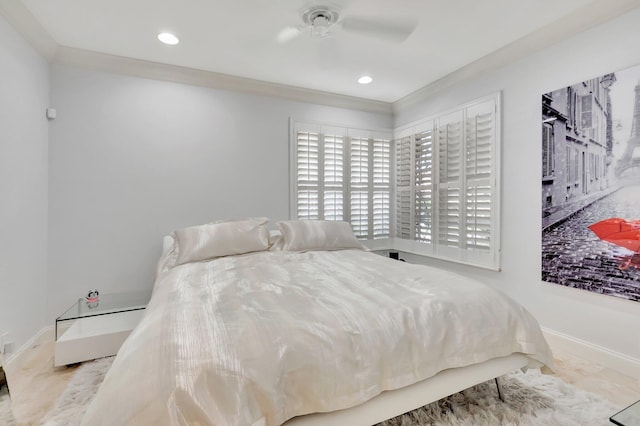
<point x="572" y="101"/>
<point x="343" y="174"/>
<point x="567" y="163"/>
<point x="447" y="185"/>
<point x="576" y="166"/>
<point x="548" y="159"/>
<point x="586" y="117"/>
<point x="433" y="190"/>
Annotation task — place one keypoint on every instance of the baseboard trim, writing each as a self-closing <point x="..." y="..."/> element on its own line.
<point x="606" y="357"/>
<point x="14" y="362"/>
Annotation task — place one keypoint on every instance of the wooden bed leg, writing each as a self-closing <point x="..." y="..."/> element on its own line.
<point x="500" y="394"/>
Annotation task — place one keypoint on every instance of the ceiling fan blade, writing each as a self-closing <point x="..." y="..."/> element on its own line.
<point x="397" y="30"/>
<point x="287" y="34"/>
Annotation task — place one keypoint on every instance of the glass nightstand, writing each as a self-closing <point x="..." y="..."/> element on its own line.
<point x="95" y="330"/>
<point x="630" y="416"/>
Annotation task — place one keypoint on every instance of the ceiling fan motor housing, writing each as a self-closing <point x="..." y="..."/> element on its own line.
<point x="320" y="20"/>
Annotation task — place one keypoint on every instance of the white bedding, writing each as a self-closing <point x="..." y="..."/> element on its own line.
<point x="263" y="337"/>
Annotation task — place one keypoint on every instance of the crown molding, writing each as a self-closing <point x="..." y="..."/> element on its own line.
<point x="594" y="14"/>
<point x="159" y="71"/>
<point x="18" y="16"/>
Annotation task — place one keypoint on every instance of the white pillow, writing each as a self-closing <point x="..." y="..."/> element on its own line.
<point x="305" y="235"/>
<point x="168" y="242"/>
<point x="169" y="254"/>
<point x="209" y="241"/>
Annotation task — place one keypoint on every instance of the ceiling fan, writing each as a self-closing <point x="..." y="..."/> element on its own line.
<point x="322" y="20"/>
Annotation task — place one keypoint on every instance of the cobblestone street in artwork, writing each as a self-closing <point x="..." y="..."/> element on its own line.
<point x="572" y="255"/>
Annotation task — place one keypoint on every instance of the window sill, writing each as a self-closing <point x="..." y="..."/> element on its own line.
<point x="392" y="244"/>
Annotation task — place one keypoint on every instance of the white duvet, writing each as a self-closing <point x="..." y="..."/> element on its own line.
<point x="260" y="338"/>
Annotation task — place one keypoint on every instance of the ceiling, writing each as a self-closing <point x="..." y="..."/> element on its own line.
<point x="238" y="37"/>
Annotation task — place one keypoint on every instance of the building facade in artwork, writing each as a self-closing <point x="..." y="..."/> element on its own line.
<point x="628" y="159"/>
<point x="577" y="142"/>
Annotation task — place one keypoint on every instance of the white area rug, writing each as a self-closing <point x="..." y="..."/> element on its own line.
<point x="6" y="418"/>
<point x="532" y="399"/>
<point x="71" y="405"/>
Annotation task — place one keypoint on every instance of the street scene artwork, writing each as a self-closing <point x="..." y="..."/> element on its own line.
<point x="591" y="185"/>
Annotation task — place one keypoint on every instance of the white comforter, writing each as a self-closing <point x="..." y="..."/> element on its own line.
<point x="260" y="338"/>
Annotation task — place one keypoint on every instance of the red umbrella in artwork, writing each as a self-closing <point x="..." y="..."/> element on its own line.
<point x="621" y="232"/>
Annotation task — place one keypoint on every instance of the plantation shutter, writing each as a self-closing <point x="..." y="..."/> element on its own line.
<point x="445" y="172"/>
<point x="339" y="176"/>
<point x="370" y="187"/>
<point x="450" y="139"/>
<point x="381" y="180"/>
<point x="446" y="194"/>
<point x="319" y="173"/>
<point x="424" y="185"/>
<point x="404" y="188"/>
<point x="360" y="187"/>
<point x="307" y="174"/>
<point x="479" y="148"/>
<point x="333" y="149"/>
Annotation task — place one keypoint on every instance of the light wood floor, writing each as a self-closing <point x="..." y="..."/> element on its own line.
<point x="37" y="384"/>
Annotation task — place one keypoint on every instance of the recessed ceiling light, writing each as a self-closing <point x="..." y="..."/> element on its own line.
<point x="168" y="38"/>
<point x="365" y="79"/>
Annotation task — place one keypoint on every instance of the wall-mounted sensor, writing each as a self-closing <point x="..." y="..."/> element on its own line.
<point x="51" y="113"/>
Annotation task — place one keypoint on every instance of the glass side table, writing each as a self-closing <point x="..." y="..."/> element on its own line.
<point x="630" y="416"/>
<point x="94" y="330"/>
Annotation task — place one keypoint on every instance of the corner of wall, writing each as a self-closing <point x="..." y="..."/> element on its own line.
<point x="606" y="357"/>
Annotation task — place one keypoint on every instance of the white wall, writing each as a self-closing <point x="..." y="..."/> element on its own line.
<point x="24" y="96"/>
<point x="132" y="159"/>
<point x="601" y="320"/>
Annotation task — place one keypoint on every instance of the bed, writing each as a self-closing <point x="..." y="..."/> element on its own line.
<point x="305" y="329"/>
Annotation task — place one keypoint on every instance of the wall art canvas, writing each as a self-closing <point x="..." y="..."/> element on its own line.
<point x="591" y="185"/>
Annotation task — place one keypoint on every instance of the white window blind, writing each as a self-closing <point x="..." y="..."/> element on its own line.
<point x="404" y="188"/>
<point x="450" y="134"/>
<point x="333" y="150"/>
<point x="433" y="190"/>
<point x="381" y="174"/>
<point x="343" y="174"/>
<point x="446" y="193"/>
<point x="360" y="187"/>
<point x="480" y="183"/>
<point x="308" y="148"/>
<point x="423" y="185"/>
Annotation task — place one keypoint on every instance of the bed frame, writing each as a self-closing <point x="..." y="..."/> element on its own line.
<point x="390" y="404"/>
